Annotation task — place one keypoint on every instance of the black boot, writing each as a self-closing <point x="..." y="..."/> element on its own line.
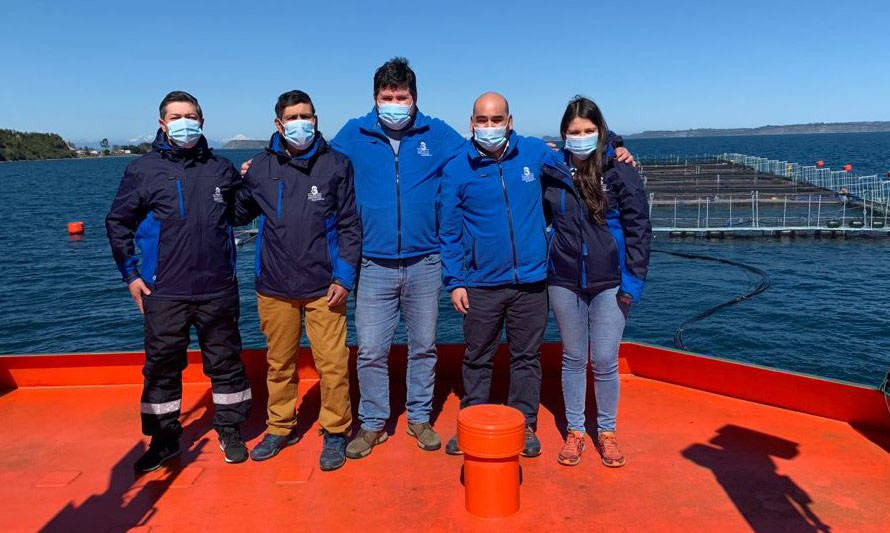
<point x="164" y="446"/>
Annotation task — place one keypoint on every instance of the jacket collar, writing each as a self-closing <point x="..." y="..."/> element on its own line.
<point x="278" y="146"/>
<point x="199" y="152"/>
<point x="476" y="156"/>
<point x="370" y="125"/>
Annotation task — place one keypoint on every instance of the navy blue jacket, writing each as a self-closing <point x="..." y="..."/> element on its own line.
<point x="396" y="193"/>
<point x="175" y="206"/>
<point x="588" y="257"/>
<point x="492" y="227"/>
<point x="309" y="234"/>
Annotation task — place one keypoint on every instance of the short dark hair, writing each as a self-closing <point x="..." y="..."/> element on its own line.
<point x="395" y="73"/>
<point x="179" y="96"/>
<point x="292" y="98"/>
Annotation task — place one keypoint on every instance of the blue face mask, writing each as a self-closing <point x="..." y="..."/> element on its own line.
<point x="184" y="132"/>
<point x="490" y="139"/>
<point x="582" y="145"/>
<point x="394" y="116"/>
<point x="299" y="133"/>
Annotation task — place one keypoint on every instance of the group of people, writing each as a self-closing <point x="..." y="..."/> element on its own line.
<point x="393" y="207"/>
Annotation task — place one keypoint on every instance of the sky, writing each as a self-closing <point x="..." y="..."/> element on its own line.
<point x="89" y="70"/>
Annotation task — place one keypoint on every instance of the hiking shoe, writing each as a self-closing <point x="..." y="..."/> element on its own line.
<point x="162" y="449"/>
<point x="570" y="454"/>
<point x="532" y="444"/>
<point x="364" y="440"/>
<point x="333" y="451"/>
<point x="608" y="448"/>
<point x="272" y="444"/>
<point x="231" y="444"/>
<point x="427" y="439"/>
<point x="452" y="448"/>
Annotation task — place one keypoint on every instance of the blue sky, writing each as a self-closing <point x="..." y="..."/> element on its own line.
<point x="89" y="70"/>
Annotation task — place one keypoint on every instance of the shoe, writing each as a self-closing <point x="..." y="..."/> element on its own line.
<point x="570" y="454"/>
<point x="272" y="444"/>
<point x="333" y="451"/>
<point x="361" y="445"/>
<point x="427" y="439"/>
<point x="231" y="444"/>
<point x="532" y="444"/>
<point x="608" y="448"/>
<point x="452" y="448"/>
<point x="163" y="447"/>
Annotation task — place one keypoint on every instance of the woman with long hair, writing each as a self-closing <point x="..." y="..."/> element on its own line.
<point x="599" y="230"/>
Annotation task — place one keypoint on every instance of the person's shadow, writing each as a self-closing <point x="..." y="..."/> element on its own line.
<point x="741" y="460"/>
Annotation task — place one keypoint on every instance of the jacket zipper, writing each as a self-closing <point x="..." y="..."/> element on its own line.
<point x="181" y="200"/>
<point x="280" y="195"/>
<point x="509" y="224"/>
<point x="398" y="206"/>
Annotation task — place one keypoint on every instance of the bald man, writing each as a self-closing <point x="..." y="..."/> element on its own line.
<point x="494" y="256"/>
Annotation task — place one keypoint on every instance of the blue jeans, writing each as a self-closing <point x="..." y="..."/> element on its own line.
<point x="589" y="324"/>
<point x="386" y="287"/>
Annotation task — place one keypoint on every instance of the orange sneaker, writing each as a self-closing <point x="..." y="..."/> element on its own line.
<point x="608" y="448"/>
<point x="570" y="454"/>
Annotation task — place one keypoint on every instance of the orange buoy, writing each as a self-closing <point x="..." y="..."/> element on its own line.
<point x="491" y="437"/>
<point x="75" y="228"/>
<point x="848" y="167"/>
<point x="820" y="163"/>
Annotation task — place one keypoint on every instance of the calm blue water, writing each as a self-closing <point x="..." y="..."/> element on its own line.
<point x="826" y="312"/>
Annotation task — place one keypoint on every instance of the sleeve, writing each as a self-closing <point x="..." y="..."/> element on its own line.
<point x="451" y="226"/>
<point x="634" y="214"/>
<point x="338" y="143"/>
<point x="452" y="144"/>
<point x="345" y="242"/>
<point x="244" y="207"/>
<point x="127" y="211"/>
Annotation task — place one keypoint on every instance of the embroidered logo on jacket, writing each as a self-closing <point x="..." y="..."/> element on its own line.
<point x="314" y="195"/>
<point x="527" y="175"/>
<point x="422" y="150"/>
<point x="218" y="197"/>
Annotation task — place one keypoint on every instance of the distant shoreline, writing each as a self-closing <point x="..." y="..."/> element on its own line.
<point x="789" y="129"/>
<point x="70" y="158"/>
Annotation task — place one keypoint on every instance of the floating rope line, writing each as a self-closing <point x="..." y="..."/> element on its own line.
<point x="762" y="286"/>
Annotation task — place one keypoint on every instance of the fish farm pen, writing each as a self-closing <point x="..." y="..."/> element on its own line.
<point x="738" y="195"/>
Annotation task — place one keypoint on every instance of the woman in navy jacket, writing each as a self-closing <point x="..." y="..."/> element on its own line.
<point x="599" y="230"/>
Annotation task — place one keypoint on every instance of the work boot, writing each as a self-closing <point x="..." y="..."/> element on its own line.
<point x="608" y="448"/>
<point x="532" y="444"/>
<point x="272" y="444"/>
<point x="361" y="445"/>
<point x="452" y="448"/>
<point x="333" y="451"/>
<point x="570" y="454"/>
<point x="163" y="447"/>
<point x="427" y="439"/>
<point x="231" y="444"/>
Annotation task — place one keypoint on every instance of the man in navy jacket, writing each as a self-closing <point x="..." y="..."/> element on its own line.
<point x="494" y="256"/>
<point x="307" y="250"/>
<point x="175" y="205"/>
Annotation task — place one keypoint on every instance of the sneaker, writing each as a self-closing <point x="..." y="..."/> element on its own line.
<point x="162" y="449"/>
<point x="271" y="445"/>
<point x="570" y="454"/>
<point x="532" y="444"/>
<point x="231" y="444"/>
<point x="361" y="445"/>
<point x="452" y="448"/>
<point x="608" y="448"/>
<point x="427" y="439"/>
<point x="333" y="451"/>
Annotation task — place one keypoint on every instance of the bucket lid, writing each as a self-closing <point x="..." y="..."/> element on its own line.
<point x="491" y="430"/>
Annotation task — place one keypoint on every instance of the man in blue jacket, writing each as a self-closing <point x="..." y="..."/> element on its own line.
<point x="175" y="205"/>
<point x="494" y="256"/>
<point x="307" y="250"/>
<point x="398" y="154"/>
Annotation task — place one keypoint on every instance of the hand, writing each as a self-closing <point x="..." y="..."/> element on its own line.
<point x="137" y="289"/>
<point x="337" y="295"/>
<point x="553" y="146"/>
<point x="625" y="301"/>
<point x="245" y="166"/>
<point x="460" y="301"/>
<point x="622" y="154"/>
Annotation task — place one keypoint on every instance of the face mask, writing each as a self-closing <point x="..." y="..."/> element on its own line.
<point x="299" y="133"/>
<point x="184" y="132"/>
<point x="394" y="116"/>
<point x="490" y="139"/>
<point x="581" y="145"/>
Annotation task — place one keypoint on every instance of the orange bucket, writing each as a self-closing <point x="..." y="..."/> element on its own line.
<point x="75" y="228"/>
<point x="491" y="437"/>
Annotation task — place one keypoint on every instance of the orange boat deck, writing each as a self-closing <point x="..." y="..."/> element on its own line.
<point x="817" y="459"/>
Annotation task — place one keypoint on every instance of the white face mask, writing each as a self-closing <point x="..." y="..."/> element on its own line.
<point x="184" y="132"/>
<point x="490" y="139"/>
<point x="394" y="116"/>
<point x="299" y="133"/>
<point x="582" y="145"/>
